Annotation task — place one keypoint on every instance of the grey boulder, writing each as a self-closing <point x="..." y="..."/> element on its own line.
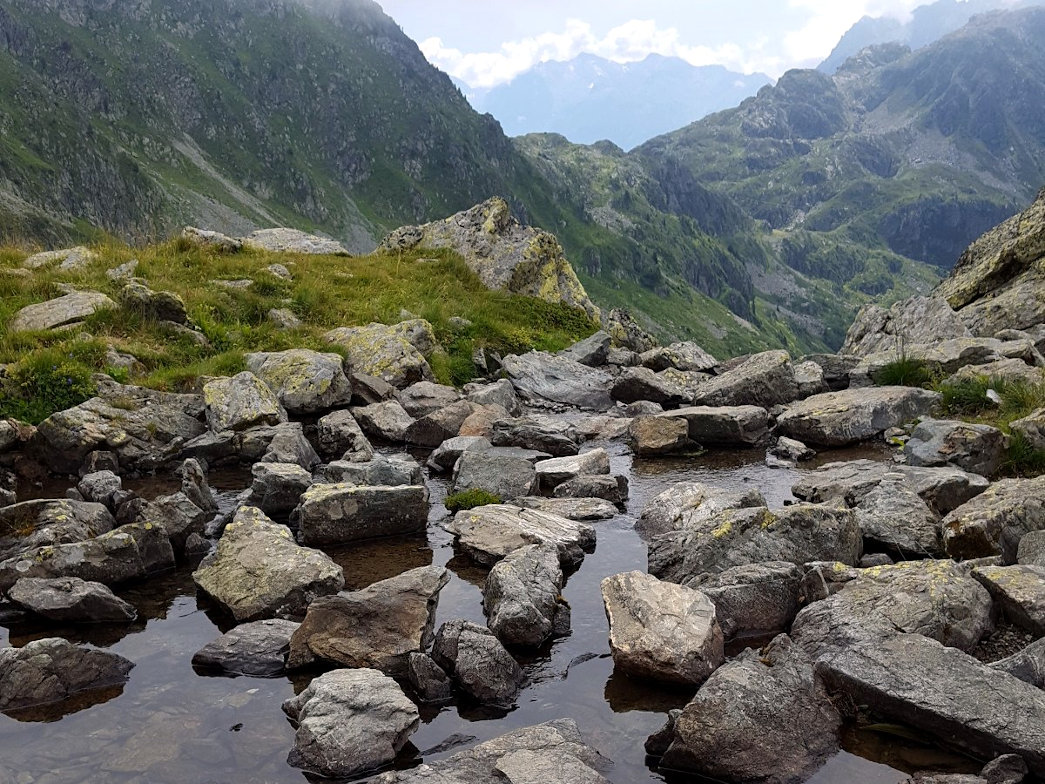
<point x="277" y="488"/>
<point x="723" y="425"/>
<point x="755" y="600"/>
<point x="51" y="670"/>
<point x="489" y="533"/>
<point x="345" y="512"/>
<point x="689" y="503"/>
<point x="338" y="435"/>
<point x="971" y="447"/>
<point x="304" y="381"/>
<point x="258" y="649"/>
<point x="387" y="470"/>
<point x="479" y="665"/>
<point x="1019" y="591"/>
<point x="537" y="376"/>
<point x="503" y="476"/>
<point x="61" y="312"/>
<point x="975" y="528"/>
<point x="241" y="402"/>
<point x="521" y="595"/>
<point x="70" y="599"/>
<point x="552" y="473"/>
<point x="764" y="380"/>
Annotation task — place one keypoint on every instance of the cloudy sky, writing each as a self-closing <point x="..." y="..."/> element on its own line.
<point x="488" y="42"/>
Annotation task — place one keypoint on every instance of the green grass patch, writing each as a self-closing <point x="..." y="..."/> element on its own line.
<point x="469" y="499"/>
<point x="904" y="372"/>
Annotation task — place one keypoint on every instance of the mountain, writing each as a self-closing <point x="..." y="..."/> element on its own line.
<point x="588" y="99"/>
<point x="928" y="24"/>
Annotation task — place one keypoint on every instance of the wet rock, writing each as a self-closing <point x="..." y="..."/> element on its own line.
<point x="489" y="533"/>
<point x="1027" y="665"/>
<point x="680" y="356"/>
<point x="426" y="397"/>
<point x="305" y="382"/>
<point x="975" y="528"/>
<point x="61" y="312"/>
<point x="429" y="680"/>
<point x="910" y="321"/>
<point x="433" y="429"/>
<point x="971" y="447"/>
<point x="838" y="419"/>
<point x="69" y="599"/>
<point x="388" y="471"/>
<point x="277" y="487"/>
<point x="764" y="380"/>
<point x="194" y="485"/>
<point x="937" y="599"/>
<point x="51" y="670"/>
<point x="1031" y="428"/>
<point x="445" y="457"/>
<point x="153" y="305"/>
<point x="499" y="393"/>
<point x="259" y="572"/>
<point x="755" y="600"/>
<point x="639" y="383"/>
<point x="545" y="434"/>
<point x="521" y="595"/>
<point x="177" y="515"/>
<point x="942" y="691"/>
<point x="744" y="723"/>
<point x="724" y="425"/>
<point x="386" y="421"/>
<point x="377" y="626"/>
<point x="344" y="512"/>
<point x="610" y="488"/>
<point x="349" y="722"/>
<point x="790" y="449"/>
<point x="1019" y="591"/>
<point x="42" y="522"/>
<point x="661" y="631"/>
<point x="650" y="436"/>
<point x="241" y="402"/>
<point x="593" y="351"/>
<point x="552" y="473"/>
<point x="797" y="534"/>
<point x="570" y="508"/>
<point x="538" y="376"/>
<point x="395" y="354"/>
<point x="339" y="436"/>
<point x="479" y="665"/>
<point x="893" y="516"/>
<point x="691" y="503"/>
<point x="503" y="476"/>
<point x="258" y="649"/>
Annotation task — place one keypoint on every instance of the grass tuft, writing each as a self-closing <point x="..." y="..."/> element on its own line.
<point x="469" y="499"/>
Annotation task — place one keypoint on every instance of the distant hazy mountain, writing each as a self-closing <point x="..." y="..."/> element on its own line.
<point x="928" y="23"/>
<point x="589" y="99"/>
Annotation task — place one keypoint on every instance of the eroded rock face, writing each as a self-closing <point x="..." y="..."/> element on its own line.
<point x="259" y="649"/>
<point x="661" y="631"/>
<point x="489" y="533"/>
<point x="975" y="528"/>
<point x="479" y="665"/>
<point x="762" y="717"/>
<point x="537" y="376"/>
<point x="53" y="669"/>
<point x="349" y="722"/>
<point x="395" y="354"/>
<point x="305" y="382"/>
<point x="345" y="512"/>
<point x="503" y="253"/>
<point x="914" y="320"/>
<point x="521" y="595"/>
<point x="763" y="380"/>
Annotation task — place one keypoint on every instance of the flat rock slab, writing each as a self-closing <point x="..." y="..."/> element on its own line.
<point x="723" y="425"/>
<point x="71" y="599"/>
<point x="538" y="376"/>
<point x="836" y="419"/>
<point x="283" y="240"/>
<point x="60" y="312"/>
<point x="584" y="509"/>
<point x="1019" y="591"/>
<point x="344" y="512"/>
<point x="942" y="691"/>
<point x="489" y="533"/>
<point x="259" y="649"/>
<point x="974" y="529"/>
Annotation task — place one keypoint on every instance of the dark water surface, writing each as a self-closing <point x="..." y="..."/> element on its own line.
<point x="170" y="724"/>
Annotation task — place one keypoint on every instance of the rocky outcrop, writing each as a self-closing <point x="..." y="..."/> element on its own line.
<point x="503" y="253"/>
<point x="305" y="382"/>
<point x="914" y="320"/>
<point x="64" y="311"/>
<point x="396" y="353"/>
<point x="489" y="533"/>
<point x="836" y="419"/>
<point x="258" y="649"/>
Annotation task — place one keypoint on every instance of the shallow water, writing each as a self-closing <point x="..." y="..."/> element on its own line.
<point x="170" y="724"/>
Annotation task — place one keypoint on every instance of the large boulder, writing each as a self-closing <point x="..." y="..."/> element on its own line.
<point x="258" y="571"/>
<point x="763" y="380"/>
<point x="661" y="631"/>
<point x="42" y="522"/>
<point x="538" y="376"/>
<point x="70" y="599"/>
<point x="446" y="455"/>
<point x="177" y="515"/>
<point x="975" y="528"/>
<point x="723" y="425"/>
<point x="593" y="351"/>
<point x="258" y="649"/>
<point x="306" y="382"/>
<point x="64" y="311"/>
<point x="426" y="397"/>
<point x="377" y="626"/>
<point x="552" y="473"/>
<point x="763" y="717"/>
<point x="639" y="383"/>
<point x="164" y="306"/>
<point x="521" y="595"/>
<point x="384" y="421"/>
<point x="685" y="356"/>
<point x="894" y="517"/>
<point x="51" y="670"/>
<point x="277" y="487"/>
<point x="395" y="353"/>
<point x="345" y="512"/>
<point x="691" y="503"/>
<point x="570" y="508"/>
<point x="241" y="402"/>
<point x="836" y="419"/>
<point x="1031" y="428"/>
<point x="499" y="393"/>
<point x="650" y="436"/>
<point x="971" y="447"/>
<point x="1019" y="591"/>
<point x="489" y="533"/>
<point x="915" y="320"/>
<point x="433" y="429"/>
<point x="554" y="436"/>
<point x="339" y="436"/>
<point x="64" y="259"/>
<point x="479" y="665"/>
<point x="755" y="600"/>
<point x="504" y="254"/>
<point x="504" y="476"/>
<point x="350" y="722"/>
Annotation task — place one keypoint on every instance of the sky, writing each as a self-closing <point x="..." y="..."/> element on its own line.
<point x="488" y="42"/>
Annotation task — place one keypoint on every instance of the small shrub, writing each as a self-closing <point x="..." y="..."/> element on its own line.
<point x="904" y="372"/>
<point x="469" y="499"/>
<point x="45" y="383"/>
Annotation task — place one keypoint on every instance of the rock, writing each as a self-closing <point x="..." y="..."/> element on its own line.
<point x="755" y="600"/>
<point x="639" y="383"/>
<point x="277" y="487"/>
<point x="396" y="354"/>
<point x="13" y="434"/>
<point x="446" y="455"/>
<point x="257" y="649"/>
<point x="339" y="435"/>
<point x="651" y="436"/>
<point x="1027" y="665"/>
<point x="387" y="471"/>
<point x="935" y="598"/>
<point x="99" y="487"/>
<point x="593" y="351"/>
<point x="790" y="449"/>
<point x="691" y="503"/>
<point x="810" y="379"/>
<point x="555" y="437"/>
<point x="61" y="312"/>
<point x="724" y="425"/>
<point x="971" y="447"/>
<point x="975" y="528"/>
<point x="642" y="408"/>
<point x="305" y="382"/>
<point x="570" y="508"/>
<point x="1006" y="769"/>
<point x="1031" y="549"/>
<point x="499" y="393"/>
<point x="942" y="358"/>
<point x="478" y="663"/>
<point x="177" y="515"/>
<point x="279" y="271"/>
<point x="893" y="516"/>
<point x="764" y="380"/>
<point x="610" y="488"/>
<point x="153" y="305"/>
<point x="194" y="485"/>
<point x="428" y="679"/>
<point x="913" y="320"/>
<point x="66" y="259"/>
<point x="259" y="572"/>
<point x="626" y="332"/>
<point x="367" y="389"/>
<point x="661" y="631"/>
<point x="503" y="253"/>
<point x="480" y="423"/>
<point x="838" y="419"/>
<point x="386" y="421"/>
<point x="744" y="723"/>
<point x="241" y="402"/>
<point x="344" y="512"/>
<point x="283" y="240"/>
<point x="211" y="240"/>
<point x="349" y="722"/>
<point x="433" y="429"/>
<point x="942" y="691"/>
<point x="797" y="534"/>
<point x="1019" y="591"/>
<point x="284" y="318"/>
<point x="521" y="595"/>
<point x="943" y="489"/>
<point x="527" y="767"/>
<point x="425" y="397"/>
<point x="51" y="670"/>
<point x="835" y="367"/>
<point x="377" y="626"/>
<point x="679" y="356"/>
<point x="1031" y="428"/>
<point x="1011" y="370"/>
<point x="284" y="443"/>
<point x="537" y="377"/>
<point x="69" y="599"/>
<point x="552" y="473"/>
<point x="489" y="533"/>
<point x="503" y="476"/>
